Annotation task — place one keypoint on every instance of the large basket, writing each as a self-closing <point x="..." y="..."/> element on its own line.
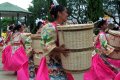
<point x="114" y="40"/>
<point x="36" y="45"/>
<point x="79" y="39"/>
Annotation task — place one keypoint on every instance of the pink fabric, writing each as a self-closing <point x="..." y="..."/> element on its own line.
<point x="69" y="76"/>
<point x="16" y="62"/>
<point x="117" y="77"/>
<point x="23" y="72"/>
<point x="100" y="71"/>
<point x="43" y="71"/>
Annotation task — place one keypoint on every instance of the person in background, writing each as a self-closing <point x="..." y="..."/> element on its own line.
<point x="29" y="52"/>
<point x="1" y="42"/>
<point x="39" y="26"/>
<point x="9" y="34"/>
<point x="4" y="34"/>
<point x="37" y="52"/>
<point x="103" y="67"/>
<point x="14" y="56"/>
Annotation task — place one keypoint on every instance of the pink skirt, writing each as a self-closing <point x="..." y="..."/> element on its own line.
<point x="100" y="71"/>
<point x="16" y="62"/>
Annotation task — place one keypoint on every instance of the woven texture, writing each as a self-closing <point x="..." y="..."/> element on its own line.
<point x="36" y="45"/>
<point x="114" y="38"/>
<point x="79" y="39"/>
<point x="77" y="60"/>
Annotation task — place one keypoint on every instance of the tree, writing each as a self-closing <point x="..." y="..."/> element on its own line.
<point x="112" y="9"/>
<point x="40" y="10"/>
<point x="63" y="2"/>
<point x="7" y="21"/>
<point x="95" y="9"/>
<point x="77" y="10"/>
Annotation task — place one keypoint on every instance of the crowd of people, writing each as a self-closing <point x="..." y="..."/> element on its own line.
<point x="17" y="52"/>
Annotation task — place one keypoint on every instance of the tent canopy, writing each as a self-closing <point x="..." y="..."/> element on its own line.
<point x="8" y="10"/>
<point x="11" y="10"/>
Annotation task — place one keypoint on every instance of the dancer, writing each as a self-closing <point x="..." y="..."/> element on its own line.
<point x="14" y="57"/>
<point x="50" y="67"/>
<point x="103" y="67"/>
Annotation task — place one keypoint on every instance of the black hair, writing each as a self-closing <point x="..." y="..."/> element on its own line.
<point x="55" y="9"/>
<point x="11" y="28"/>
<point x="101" y="23"/>
<point x="98" y="25"/>
<point x="17" y="28"/>
<point x="39" y="25"/>
<point x="116" y="28"/>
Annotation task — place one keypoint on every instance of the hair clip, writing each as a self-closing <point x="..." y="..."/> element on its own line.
<point x="55" y="2"/>
<point x="39" y="20"/>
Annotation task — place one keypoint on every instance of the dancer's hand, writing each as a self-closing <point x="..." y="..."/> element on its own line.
<point x="64" y="50"/>
<point x="61" y="49"/>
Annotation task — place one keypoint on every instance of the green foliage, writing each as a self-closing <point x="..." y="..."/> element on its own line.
<point x="77" y="10"/>
<point x="95" y="9"/>
<point x="6" y="21"/>
<point x="39" y="10"/>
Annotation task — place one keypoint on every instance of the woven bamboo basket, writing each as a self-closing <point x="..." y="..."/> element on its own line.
<point x="114" y="38"/>
<point x="36" y="45"/>
<point x="114" y="41"/>
<point x="79" y="39"/>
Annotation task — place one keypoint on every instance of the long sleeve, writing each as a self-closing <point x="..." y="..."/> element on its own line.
<point x="48" y="38"/>
<point x="104" y="44"/>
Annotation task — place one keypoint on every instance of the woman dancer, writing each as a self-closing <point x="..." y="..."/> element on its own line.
<point x="14" y="57"/>
<point x="50" y="67"/>
<point x="103" y="67"/>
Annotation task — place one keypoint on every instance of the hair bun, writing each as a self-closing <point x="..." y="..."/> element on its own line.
<point x="55" y="9"/>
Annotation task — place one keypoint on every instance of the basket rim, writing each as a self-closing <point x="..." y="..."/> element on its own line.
<point x="75" y="27"/>
<point x="112" y="32"/>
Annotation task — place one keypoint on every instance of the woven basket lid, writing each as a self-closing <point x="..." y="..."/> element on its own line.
<point x="75" y="27"/>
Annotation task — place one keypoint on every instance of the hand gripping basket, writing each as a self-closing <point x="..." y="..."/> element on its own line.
<point x="79" y="39"/>
<point x="36" y="45"/>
